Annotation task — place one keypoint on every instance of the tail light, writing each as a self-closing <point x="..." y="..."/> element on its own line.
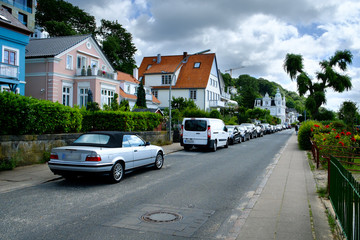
<point x="209" y="132"/>
<point x="182" y="130"/>
<point x="54" y="156"/>
<point x="93" y="157"/>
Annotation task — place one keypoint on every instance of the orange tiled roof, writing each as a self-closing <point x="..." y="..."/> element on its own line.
<point x="189" y="76"/>
<point x="121" y="76"/>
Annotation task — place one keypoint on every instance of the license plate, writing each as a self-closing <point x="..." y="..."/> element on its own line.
<point x="188" y="141"/>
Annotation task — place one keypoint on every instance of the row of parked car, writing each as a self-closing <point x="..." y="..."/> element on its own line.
<point x="247" y="131"/>
<point x="213" y="133"/>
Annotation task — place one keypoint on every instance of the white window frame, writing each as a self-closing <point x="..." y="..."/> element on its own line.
<point x="192" y="94"/>
<point x="82" y="57"/>
<point x="83" y="96"/>
<point x="17" y="54"/>
<point x="94" y="62"/>
<point x="155" y="93"/>
<point x="69" y="62"/>
<point x="166" y="79"/>
<point x="107" y="94"/>
<point x="69" y="94"/>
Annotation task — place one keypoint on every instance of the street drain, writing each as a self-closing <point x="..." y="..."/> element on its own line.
<point x="161" y="217"/>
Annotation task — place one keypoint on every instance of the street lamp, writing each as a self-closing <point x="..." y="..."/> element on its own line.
<point x="171" y="80"/>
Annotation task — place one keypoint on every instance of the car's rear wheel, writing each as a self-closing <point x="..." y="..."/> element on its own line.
<point x="159" y="161"/>
<point x="117" y="172"/>
<point x="214" y="147"/>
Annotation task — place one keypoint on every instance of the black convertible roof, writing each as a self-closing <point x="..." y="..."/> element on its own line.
<point x="115" y="140"/>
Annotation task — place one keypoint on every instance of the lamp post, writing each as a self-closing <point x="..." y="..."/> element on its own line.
<point x="171" y="80"/>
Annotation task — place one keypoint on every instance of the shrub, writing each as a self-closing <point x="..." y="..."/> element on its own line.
<point x="305" y="133"/>
<point x="21" y="115"/>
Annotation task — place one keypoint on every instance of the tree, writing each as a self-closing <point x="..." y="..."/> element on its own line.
<point x="60" y="18"/>
<point x="124" y="105"/>
<point x="182" y="103"/>
<point x="249" y="90"/>
<point x="348" y="112"/>
<point x="117" y="45"/>
<point x="141" y="96"/>
<point x="328" y="77"/>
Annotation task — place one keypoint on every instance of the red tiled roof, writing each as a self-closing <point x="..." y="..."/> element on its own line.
<point x="130" y="96"/>
<point x="121" y="76"/>
<point x="189" y="76"/>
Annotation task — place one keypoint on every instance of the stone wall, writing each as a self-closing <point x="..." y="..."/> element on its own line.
<point x="31" y="149"/>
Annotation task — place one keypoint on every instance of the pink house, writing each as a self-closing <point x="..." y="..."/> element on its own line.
<point x="65" y="69"/>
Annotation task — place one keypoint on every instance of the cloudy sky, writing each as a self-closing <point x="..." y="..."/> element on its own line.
<point x="253" y="34"/>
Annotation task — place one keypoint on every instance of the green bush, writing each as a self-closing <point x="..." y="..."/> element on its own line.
<point x="120" y="121"/>
<point x="21" y="115"/>
<point x="305" y="133"/>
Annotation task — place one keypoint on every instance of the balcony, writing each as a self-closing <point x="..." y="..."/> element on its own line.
<point x="9" y="71"/>
<point x="95" y="72"/>
<point x="148" y="97"/>
<point x="22" y="6"/>
<point x="216" y="104"/>
<point x="225" y="96"/>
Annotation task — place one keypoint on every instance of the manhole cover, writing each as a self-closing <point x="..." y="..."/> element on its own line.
<point x="161" y="217"/>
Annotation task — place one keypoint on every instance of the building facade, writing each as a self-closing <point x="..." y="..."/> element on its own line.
<point x="14" y="37"/>
<point x="23" y="10"/>
<point x="276" y="105"/>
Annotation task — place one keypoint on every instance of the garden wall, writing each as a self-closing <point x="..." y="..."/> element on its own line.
<point x="20" y="150"/>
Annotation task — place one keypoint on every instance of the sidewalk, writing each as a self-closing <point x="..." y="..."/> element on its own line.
<point x="28" y="176"/>
<point x="286" y="206"/>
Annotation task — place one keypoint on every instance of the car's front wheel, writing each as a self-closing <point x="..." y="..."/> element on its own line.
<point x="159" y="161"/>
<point x="117" y="172"/>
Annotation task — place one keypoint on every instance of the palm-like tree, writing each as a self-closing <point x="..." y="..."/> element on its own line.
<point x="328" y="77"/>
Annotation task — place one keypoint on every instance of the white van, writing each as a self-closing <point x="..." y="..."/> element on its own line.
<point x="210" y="133"/>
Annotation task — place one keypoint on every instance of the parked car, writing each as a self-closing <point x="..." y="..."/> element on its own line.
<point x="109" y="153"/>
<point x="251" y="128"/>
<point x="259" y="131"/>
<point x="266" y="127"/>
<point x="234" y="134"/>
<point x="244" y="133"/>
<point x="208" y="133"/>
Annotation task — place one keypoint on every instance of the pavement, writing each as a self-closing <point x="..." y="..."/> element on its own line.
<point x="285" y="205"/>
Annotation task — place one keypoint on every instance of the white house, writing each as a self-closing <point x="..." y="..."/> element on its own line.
<point x="128" y="91"/>
<point x="277" y="105"/>
<point x="198" y="79"/>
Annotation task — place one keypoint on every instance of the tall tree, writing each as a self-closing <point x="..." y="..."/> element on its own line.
<point x="117" y="45"/>
<point x="60" y="18"/>
<point x="348" y="112"/>
<point x="248" y="88"/>
<point x="328" y="77"/>
<point x="141" y="96"/>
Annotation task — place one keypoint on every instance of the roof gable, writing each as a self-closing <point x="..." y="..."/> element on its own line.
<point x="121" y="76"/>
<point x="50" y="47"/>
<point x="189" y="76"/>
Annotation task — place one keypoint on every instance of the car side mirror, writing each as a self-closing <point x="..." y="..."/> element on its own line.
<point x="147" y="144"/>
<point x="225" y="129"/>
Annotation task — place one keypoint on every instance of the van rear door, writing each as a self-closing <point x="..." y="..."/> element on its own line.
<point x="195" y="132"/>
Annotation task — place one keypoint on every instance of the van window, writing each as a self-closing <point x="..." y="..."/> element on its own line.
<point x="195" y="125"/>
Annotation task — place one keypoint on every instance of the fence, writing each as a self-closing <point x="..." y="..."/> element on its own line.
<point x="345" y="198"/>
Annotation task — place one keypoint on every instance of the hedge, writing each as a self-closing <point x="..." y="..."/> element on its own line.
<point x="20" y="115"/>
<point x="305" y="133"/>
<point x="120" y="121"/>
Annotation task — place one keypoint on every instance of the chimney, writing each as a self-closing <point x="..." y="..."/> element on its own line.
<point x="158" y="60"/>
<point x="185" y="55"/>
<point x="135" y="73"/>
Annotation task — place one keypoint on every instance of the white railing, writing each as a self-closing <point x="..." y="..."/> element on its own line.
<point x="9" y="71"/>
<point x="225" y="95"/>
<point x="95" y="72"/>
<point x="148" y="97"/>
<point x="216" y="103"/>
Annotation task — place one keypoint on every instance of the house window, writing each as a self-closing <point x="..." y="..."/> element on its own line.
<point x="66" y="94"/>
<point x="81" y="62"/>
<point x="128" y="89"/>
<point x="94" y="63"/>
<point x="165" y="79"/>
<point x="193" y="94"/>
<point x="197" y="65"/>
<point x="107" y="96"/>
<point x="10" y="57"/>
<point x="69" y="62"/>
<point x="83" y="95"/>
<point x="23" y="18"/>
<point x="155" y="93"/>
<point x="148" y="66"/>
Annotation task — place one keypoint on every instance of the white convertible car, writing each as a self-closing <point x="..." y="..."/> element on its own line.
<point x="107" y="152"/>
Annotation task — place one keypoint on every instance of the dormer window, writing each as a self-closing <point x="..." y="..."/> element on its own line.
<point x="149" y="66"/>
<point x="197" y="65"/>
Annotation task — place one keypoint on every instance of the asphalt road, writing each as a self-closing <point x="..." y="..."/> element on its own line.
<point x="194" y="196"/>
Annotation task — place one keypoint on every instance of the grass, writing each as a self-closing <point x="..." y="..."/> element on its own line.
<point x="331" y="221"/>
<point x="322" y="192"/>
<point x="311" y="163"/>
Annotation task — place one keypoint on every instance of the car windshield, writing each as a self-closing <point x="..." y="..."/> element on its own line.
<point x="93" y="139"/>
<point x="230" y="129"/>
<point x="195" y="125"/>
